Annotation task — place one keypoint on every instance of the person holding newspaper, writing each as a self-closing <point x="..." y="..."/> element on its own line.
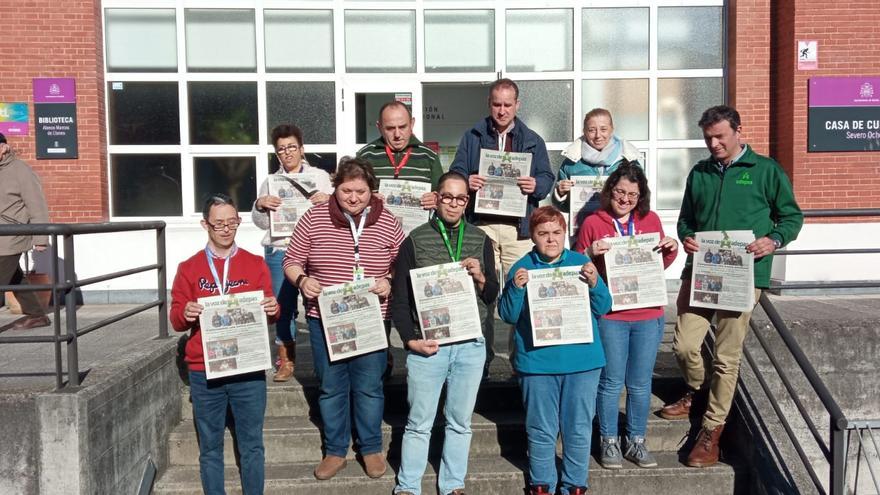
<point x="244" y="394"/>
<point x="558" y="382"/>
<point x="350" y="237"/>
<point x="446" y="238"/>
<point x="630" y="337"/>
<point x="290" y="150"/>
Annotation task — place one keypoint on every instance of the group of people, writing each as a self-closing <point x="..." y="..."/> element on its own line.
<point x="349" y="235"/>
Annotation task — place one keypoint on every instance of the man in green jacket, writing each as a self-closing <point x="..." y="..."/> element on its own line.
<point x="735" y="189"/>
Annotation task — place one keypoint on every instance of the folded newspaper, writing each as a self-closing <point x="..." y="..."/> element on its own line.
<point x="446" y="303"/>
<point x="559" y="306"/>
<point x="235" y="334"/>
<point x="722" y="276"/>
<point x="352" y="319"/>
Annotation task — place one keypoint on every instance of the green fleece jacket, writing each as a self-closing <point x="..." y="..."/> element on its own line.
<point x="752" y="194"/>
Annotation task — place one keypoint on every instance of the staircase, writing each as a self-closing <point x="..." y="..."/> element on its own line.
<point x="498" y="450"/>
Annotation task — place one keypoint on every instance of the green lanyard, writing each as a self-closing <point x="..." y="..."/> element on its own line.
<point x="445" y="236"/>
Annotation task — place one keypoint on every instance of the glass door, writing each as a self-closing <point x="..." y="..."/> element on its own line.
<point x="361" y="100"/>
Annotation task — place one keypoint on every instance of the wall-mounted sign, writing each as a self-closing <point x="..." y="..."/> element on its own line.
<point x="844" y="114"/>
<point x="14" y="119"/>
<point x="55" y="118"/>
<point x="808" y="55"/>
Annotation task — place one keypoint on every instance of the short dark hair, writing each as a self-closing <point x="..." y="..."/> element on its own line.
<point x="355" y="168"/>
<point x="632" y="172"/>
<point x="216" y="199"/>
<point x="391" y="104"/>
<point x="718" y="113"/>
<point x="504" y="83"/>
<point x="287" y="130"/>
<point x="450" y="176"/>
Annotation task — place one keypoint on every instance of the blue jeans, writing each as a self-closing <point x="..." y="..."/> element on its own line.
<point x="245" y="395"/>
<point x="286" y="294"/>
<point x="557" y="404"/>
<point x="460" y="367"/>
<point x="630" y="353"/>
<point x="348" y="389"/>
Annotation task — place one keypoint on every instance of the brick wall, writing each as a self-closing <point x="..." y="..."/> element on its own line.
<point x="49" y="38"/>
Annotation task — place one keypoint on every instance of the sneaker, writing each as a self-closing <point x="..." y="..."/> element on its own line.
<point x="609" y="453"/>
<point x="637" y="453"/>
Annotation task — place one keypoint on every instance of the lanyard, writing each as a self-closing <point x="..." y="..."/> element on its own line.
<point x="502" y="141"/>
<point x="356" y="234"/>
<point x="221" y="284"/>
<point x="402" y="161"/>
<point x="630" y="226"/>
<point x="445" y="236"/>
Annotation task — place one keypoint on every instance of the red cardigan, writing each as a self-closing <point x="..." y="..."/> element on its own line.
<point x="247" y="273"/>
<point x="600" y="225"/>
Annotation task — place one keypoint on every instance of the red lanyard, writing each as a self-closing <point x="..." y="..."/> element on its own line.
<point x="402" y="161"/>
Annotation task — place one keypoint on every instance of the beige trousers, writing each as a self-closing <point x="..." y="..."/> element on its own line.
<point x="508" y="248"/>
<point x="691" y="327"/>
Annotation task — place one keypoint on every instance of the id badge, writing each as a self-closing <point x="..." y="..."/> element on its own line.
<point x="358" y="274"/>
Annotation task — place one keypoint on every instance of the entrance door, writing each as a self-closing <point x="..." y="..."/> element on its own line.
<point x="361" y="101"/>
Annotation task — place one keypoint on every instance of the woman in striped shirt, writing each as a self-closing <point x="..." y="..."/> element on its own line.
<point x="330" y="247"/>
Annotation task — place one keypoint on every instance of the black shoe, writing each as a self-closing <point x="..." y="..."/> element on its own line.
<point x="388" y="367"/>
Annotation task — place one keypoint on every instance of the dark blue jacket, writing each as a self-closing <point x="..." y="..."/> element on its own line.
<point x="525" y="140"/>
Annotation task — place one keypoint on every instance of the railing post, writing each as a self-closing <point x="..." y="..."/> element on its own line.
<point x="70" y="311"/>
<point x="161" y="282"/>
<point x="56" y="310"/>
<point x="837" y="478"/>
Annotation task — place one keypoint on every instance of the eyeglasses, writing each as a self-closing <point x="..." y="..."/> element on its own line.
<point x="459" y="200"/>
<point x="290" y="148"/>
<point x="231" y="225"/>
<point x="620" y="193"/>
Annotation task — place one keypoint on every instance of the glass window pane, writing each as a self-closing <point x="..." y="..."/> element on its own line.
<point x="681" y="102"/>
<point x="223" y="112"/>
<point x="547" y="108"/>
<point x="459" y="40"/>
<point x="539" y="40"/>
<point x="324" y="161"/>
<point x="452" y="108"/>
<point x="235" y="176"/>
<point x="672" y="170"/>
<point x="146" y="185"/>
<point x="143" y="112"/>
<point x="221" y="40"/>
<point x="689" y="38"/>
<point x="626" y="99"/>
<point x="309" y="105"/>
<point x="369" y="32"/>
<point x="125" y="32"/>
<point x="313" y="32"/>
<point x="615" y="39"/>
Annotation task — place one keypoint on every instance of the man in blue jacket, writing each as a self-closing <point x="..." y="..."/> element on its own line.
<point x="502" y="131"/>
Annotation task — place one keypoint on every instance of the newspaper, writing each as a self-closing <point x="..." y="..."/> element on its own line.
<point x="352" y="319"/>
<point x="294" y="191"/>
<point x="446" y="303"/>
<point x="500" y="195"/>
<point x="403" y="199"/>
<point x="583" y="198"/>
<point x="235" y="335"/>
<point x="635" y="272"/>
<point x="722" y="276"/>
<point x="559" y="306"/>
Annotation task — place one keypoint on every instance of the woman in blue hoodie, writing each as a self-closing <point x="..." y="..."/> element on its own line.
<point x="558" y="382"/>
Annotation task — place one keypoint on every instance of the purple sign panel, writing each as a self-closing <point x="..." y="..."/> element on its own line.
<point x="54" y="90"/>
<point x="844" y="92"/>
<point x="844" y="114"/>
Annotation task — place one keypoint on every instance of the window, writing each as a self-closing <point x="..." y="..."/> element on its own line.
<point x="539" y="40"/>
<point x="312" y="31"/>
<point x="220" y="40"/>
<point x="223" y="113"/>
<point x="615" y="39"/>
<point x="235" y="176"/>
<point x="125" y="32"/>
<point x="626" y="99"/>
<point x="380" y="40"/>
<point x="146" y="185"/>
<point x="311" y="106"/>
<point x="459" y="41"/>
<point x="143" y="112"/>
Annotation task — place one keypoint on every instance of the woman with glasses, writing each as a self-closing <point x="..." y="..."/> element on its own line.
<point x="289" y="148"/>
<point x="630" y="337"/>
<point x="595" y="154"/>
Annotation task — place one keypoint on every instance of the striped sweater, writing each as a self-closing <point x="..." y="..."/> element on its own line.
<point x="423" y="164"/>
<point x="325" y="250"/>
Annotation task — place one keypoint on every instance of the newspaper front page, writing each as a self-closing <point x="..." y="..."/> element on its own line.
<point x="294" y="191"/>
<point x="446" y="303"/>
<point x="583" y="198"/>
<point x="723" y="272"/>
<point x="352" y="319"/>
<point x="403" y="199"/>
<point x="559" y="306"/>
<point x="635" y="272"/>
<point x="235" y="334"/>
<point x="500" y="195"/>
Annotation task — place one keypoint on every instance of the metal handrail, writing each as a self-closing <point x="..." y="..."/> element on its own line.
<point x="66" y="289"/>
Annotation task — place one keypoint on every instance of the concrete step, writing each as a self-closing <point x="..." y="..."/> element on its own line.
<point x="298" y="439"/>
<point x="487" y="476"/>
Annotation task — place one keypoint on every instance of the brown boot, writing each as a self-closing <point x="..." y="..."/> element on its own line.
<point x="329" y="466"/>
<point x="705" y="452"/>
<point x="287" y="356"/>
<point x="374" y="465"/>
<point x="680" y="409"/>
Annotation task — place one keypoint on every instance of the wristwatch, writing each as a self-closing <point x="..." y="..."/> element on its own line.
<point x="299" y="279"/>
<point x="776" y="243"/>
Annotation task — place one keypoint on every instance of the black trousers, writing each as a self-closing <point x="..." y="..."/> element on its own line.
<point x="11" y="274"/>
